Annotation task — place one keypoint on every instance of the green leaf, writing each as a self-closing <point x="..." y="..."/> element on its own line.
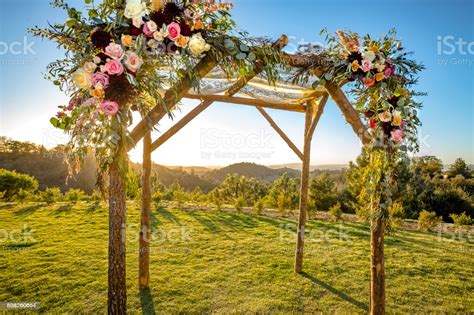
<point x="71" y="23"/>
<point x="54" y="121"/>
<point x="252" y="57"/>
<point x="241" y="56"/>
<point x="229" y="44"/>
<point x="244" y="47"/>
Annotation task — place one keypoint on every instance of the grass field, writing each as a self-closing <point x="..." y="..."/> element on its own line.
<point x="224" y="262"/>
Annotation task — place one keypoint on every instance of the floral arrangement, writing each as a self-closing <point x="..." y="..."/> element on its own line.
<point x="381" y="75"/>
<point x="117" y="53"/>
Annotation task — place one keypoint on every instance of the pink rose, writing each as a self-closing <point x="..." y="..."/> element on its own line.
<point x="366" y="65"/>
<point x="101" y="78"/>
<point x="174" y="31"/>
<point x="132" y="61"/>
<point x="114" y="50"/>
<point x="114" y="67"/>
<point x="388" y="71"/>
<point x="147" y="31"/>
<point x="109" y="107"/>
<point x="397" y="135"/>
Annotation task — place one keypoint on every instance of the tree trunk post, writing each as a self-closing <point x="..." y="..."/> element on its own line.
<point x="303" y="205"/>
<point x="145" y="229"/>
<point x="117" y="289"/>
<point x="377" y="271"/>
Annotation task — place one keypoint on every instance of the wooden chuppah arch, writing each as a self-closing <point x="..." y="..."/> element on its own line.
<point x="313" y="109"/>
<point x="114" y="57"/>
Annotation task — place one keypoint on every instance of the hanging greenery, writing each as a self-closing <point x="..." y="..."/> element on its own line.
<point x="379" y="74"/>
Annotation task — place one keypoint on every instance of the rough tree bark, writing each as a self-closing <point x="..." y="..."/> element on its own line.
<point x="117" y="290"/>
<point x="303" y="207"/>
<point x="145" y="229"/>
<point x="377" y="271"/>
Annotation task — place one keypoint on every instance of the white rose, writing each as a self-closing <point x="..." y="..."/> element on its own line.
<point x="368" y="55"/>
<point x="197" y="45"/>
<point x="135" y="9"/>
<point x="90" y="67"/>
<point x="82" y="79"/>
<point x="152" y="26"/>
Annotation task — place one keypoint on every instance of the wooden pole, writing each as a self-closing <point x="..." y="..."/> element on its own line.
<point x="280" y="132"/>
<point x="377" y="271"/>
<point x="117" y="289"/>
<point x="352" y="117"/>
<point x="145" y="229"/>
<point x="303" y="206"/>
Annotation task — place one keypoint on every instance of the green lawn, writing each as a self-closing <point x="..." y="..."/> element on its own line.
<point x="225" y="262"/>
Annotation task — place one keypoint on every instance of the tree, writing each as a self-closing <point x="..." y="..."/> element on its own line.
<point x="322" y="192"/>
<point x="12" y="182"/>
<point x="52" y="195"/>
<point x="459" y="168"/>
<point x="284" y="193"/>
<point x="74" y="195"/>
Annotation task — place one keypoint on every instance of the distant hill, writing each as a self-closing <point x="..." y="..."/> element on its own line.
<point x="297" y="166"/>
<point x="261" y="172"/>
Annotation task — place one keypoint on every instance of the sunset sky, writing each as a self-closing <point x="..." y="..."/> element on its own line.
<point x="225" y="133"/>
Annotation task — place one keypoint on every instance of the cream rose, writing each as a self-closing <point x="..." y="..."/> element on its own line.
<point x="152" y="26"/>
<point x="132" y="61"/>
<point x="90" y="67"/>
<point x="135" y="9"/>
<point x="82" y="79"/>
<point x="197" y="45"/>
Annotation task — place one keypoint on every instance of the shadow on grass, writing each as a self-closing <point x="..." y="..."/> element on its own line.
<point x="63" y="209"/>
<point x="337" y="292"/>
<point x="28" y="210"/>
<point x="146" y="302"/>
<point x="161" y="211"/>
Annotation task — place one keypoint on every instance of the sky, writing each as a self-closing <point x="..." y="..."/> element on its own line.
<point x="440" y="33"/>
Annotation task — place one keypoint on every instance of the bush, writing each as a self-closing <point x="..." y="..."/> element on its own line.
<point x="12" y="182"/>
<point x="51" y="195"/>
<point x="428" y="220"/>
<point x="157" y="198"/>
<point x="74" y="195"/>
<point x="397" y="213"/>
<point x="336" y="212"/>
<point x="259" y="206"/>
<point x="240" y="203"/>
<point x="96" y="197"/>
<point x="461" y="219"/>
<point x="216" y="198"/>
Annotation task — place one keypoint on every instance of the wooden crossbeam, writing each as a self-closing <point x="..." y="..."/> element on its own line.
<point x="180" y="124"/>
<point x="280" y="132"/>
<point x="318" y="109"/>
<point x="170" y="99"/>
<point x="249" y="101"/>
<point x="350" y="114"/>
<point x="258" y="67"/>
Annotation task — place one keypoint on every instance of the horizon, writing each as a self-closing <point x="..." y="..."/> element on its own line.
<point x="223" y="134"/>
